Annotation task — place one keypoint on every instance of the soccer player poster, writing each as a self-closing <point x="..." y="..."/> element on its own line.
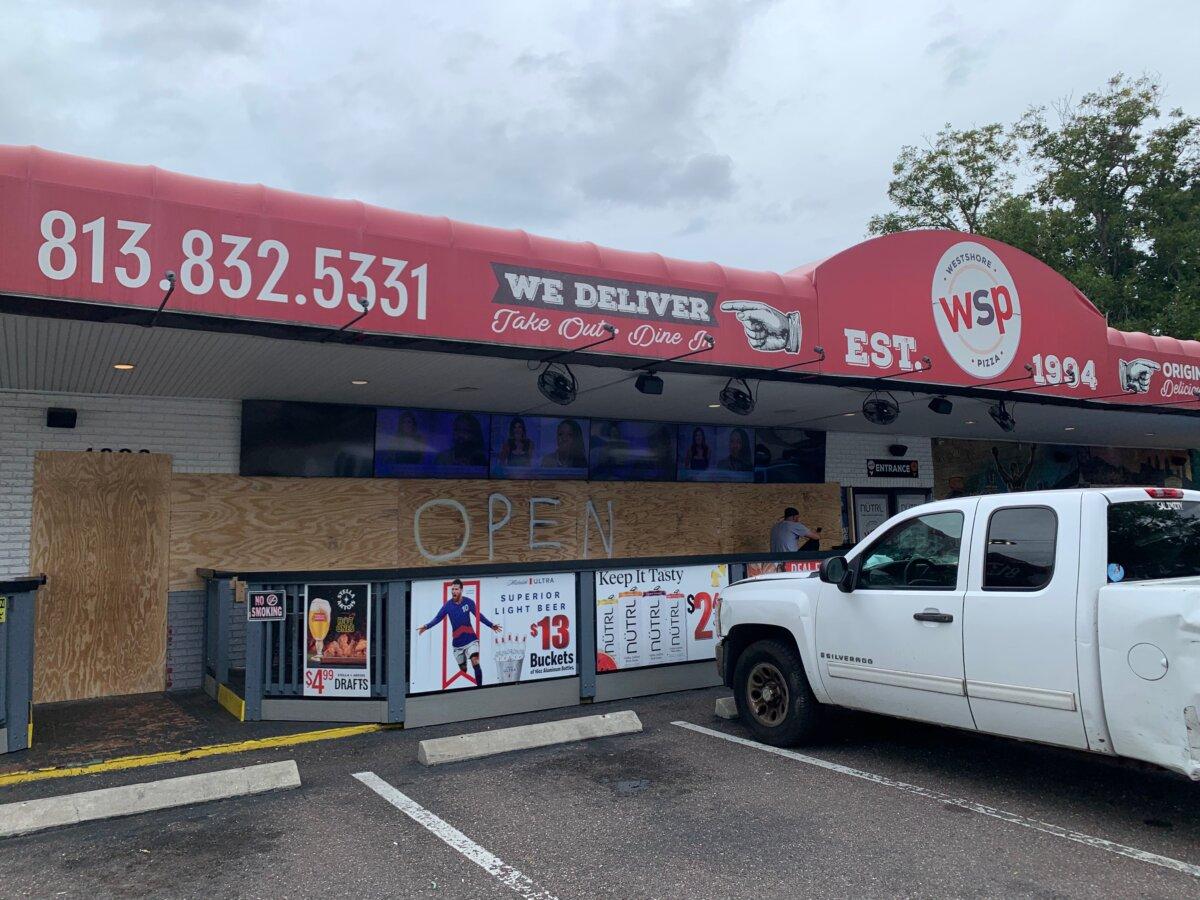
<point x="654" y="616"/>
<point x="475" y="632"/>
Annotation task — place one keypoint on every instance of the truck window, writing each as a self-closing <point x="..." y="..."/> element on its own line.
<point x="1153" y="539"/>
<point x="1020" y="549"/>
<point x="920" y="554"/>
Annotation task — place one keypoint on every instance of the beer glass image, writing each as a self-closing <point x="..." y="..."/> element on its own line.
<point x="319" y="617"/>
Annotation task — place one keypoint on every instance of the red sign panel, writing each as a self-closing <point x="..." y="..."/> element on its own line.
<point x="982" y="313"/>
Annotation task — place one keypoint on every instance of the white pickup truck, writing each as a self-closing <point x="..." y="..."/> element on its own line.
<point x="1065" y="617"/>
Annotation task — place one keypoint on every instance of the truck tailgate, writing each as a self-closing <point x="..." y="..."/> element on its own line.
<point x="1149" y="639"/>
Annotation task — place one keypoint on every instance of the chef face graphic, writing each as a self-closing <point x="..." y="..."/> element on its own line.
<point x="1136" y="374"/>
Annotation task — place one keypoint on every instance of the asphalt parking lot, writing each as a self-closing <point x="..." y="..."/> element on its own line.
<point x="883" y="808"/>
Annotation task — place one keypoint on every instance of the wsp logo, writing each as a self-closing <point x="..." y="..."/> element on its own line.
<point x="977" y="309"/>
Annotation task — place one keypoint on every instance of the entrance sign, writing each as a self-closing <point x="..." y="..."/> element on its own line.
<point x="475" y="632"/>
<point x="893" y="468"/>
<point x="653" y="616"/>
<point x="266" y="606"/>
<point x="337" y="623"/>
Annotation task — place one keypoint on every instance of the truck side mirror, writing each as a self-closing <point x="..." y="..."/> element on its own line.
<point x="835" y="570"/>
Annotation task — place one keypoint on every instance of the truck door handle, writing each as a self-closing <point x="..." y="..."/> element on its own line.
<point x="933" y="616"/>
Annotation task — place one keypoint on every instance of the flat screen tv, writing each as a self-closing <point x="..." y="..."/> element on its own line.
<point x="539" y="447"/>
<point x="307" y="440"/>
<point x="715" y="453"/>
<point x="632" y="451"/>
<point x="794" y="455"/>
<point x="425" y="443"/>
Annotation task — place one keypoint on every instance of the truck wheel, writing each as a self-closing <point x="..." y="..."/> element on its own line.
<point x="773" y="696"/>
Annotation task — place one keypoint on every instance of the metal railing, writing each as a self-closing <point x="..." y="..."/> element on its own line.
<point x="274" y="650"/>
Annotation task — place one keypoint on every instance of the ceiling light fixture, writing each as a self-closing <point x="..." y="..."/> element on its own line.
<point x="124" y="367"/>
<point x="1069" y="428"/>
<point x="358" y="381"/>
<point x="714" y="406"/>
<point x="969" y="422"/>
<point x="848" y="415"/>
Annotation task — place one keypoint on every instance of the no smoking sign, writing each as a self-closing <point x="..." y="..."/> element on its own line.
<point x="266" y="606"/>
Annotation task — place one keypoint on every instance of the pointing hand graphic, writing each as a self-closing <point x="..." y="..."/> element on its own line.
<point x="1136" y="374"/>
<point x="767" y="328"/>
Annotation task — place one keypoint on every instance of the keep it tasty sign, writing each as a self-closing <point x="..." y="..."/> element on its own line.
<point x="476" y="632"/>
<point x="654" y="616"/>
<point x="337" y="623"/>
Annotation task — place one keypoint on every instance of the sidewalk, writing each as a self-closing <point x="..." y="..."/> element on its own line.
<point x="90" y="731"/>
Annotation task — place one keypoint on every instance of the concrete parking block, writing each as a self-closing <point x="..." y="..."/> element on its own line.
<point x="437" y="751"/>
<point x="725" y="708"/>
<point x="108" y="803"/>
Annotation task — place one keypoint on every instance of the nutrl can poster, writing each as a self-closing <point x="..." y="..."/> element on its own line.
<point x="475" y="632"/>
<point x="337" y="622"/>
<point x="653" y="616"/>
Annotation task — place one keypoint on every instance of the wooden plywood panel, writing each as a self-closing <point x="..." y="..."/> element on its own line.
<point x="223" y="521"/>
<point x="226" y="521"/>
<point x="492" y="517"/>
<point x="753" y="512"/>
<point x="100" y="532"/>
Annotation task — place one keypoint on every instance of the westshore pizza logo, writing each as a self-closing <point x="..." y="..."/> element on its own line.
<point x="977" y="309"/>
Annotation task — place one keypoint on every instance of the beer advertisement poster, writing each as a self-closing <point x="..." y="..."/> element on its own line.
<point x="476" y="632"/>
<point x="337" y="622"/>
<point x="655" y="616"/>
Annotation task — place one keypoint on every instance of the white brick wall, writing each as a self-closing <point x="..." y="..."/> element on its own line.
<point x="846" y="456"/>
<point x="200" y="435"/>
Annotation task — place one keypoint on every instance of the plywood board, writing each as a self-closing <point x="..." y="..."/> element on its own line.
<point x="229" y="522"/>
<point x="100" y="533"/>
<point x="226" y="521"/>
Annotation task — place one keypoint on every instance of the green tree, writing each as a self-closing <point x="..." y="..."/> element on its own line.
<point x="952" y="182"/>
<point x="1114" y="202"/>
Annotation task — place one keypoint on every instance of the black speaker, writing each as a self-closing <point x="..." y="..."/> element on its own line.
<point x="649" y="383"/>
<point x="897" y="449"/>
<point x="60" y="417"/>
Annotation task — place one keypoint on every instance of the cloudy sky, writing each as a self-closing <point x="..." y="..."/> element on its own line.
<point x="754" y="133"/>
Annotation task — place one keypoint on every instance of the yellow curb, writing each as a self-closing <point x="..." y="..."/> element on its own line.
<point x="173" y="756"/>
<point x="231" y="703"/>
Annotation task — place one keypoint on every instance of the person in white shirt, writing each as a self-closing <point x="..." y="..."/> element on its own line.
<point x="789" y="533"/>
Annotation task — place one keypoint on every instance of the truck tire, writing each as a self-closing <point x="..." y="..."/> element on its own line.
<point x="773" y="697"/>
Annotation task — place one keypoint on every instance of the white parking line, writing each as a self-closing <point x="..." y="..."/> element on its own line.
<point x="511" y="878"/>
<point x="1045" y="827"/>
